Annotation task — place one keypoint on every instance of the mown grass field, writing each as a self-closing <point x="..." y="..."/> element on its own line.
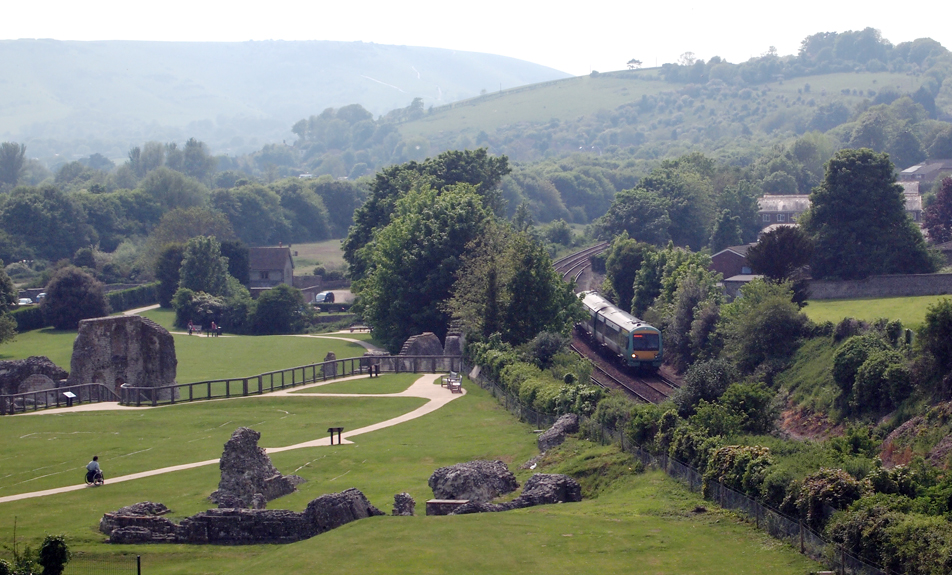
<point x="202" y="358"/>
<point x="629" y="522"/>
<point x="910" y="310"/>
<point x="326" y="253"/>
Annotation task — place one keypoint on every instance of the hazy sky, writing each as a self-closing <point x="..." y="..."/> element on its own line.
<point x="575" y="38"/>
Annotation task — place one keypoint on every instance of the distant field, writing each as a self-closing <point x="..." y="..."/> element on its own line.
<point x="910" y="310"/>
<point x="307" y="256"/>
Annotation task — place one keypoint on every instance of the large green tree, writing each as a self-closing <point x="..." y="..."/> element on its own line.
<point x="623" y="262"/>
<point x="858" y="221"/>
<point x="640" y="214"/>
<point x="50" y="222"/>
<point x="203" y="267"/>
<point x="937" y="218"/>
<point x="12" y="158"/>
<point x="508" y="286"/>
<point x="73" y="295"/>
<point x="167" y="266"/>
<point x="8" y="299"/>
<point x="415" y="258"/>
<point x="474" y="167"/>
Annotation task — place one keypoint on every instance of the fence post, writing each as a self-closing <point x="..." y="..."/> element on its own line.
<point x="842" y="560"/>
<point x="138" y="565"/>
<point x="800" y="522"/>
<point x="260" y="385"/>
<point x="244" y="387"/>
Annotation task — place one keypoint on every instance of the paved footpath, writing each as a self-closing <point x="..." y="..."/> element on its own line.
<point x="425" y="387"/>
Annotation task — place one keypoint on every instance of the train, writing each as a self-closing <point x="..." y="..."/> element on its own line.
<point x="636" y="343"/>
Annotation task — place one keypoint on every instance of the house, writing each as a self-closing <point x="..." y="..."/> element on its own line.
<point x="731" y="261"/>
<point x="786" y="209"/>
<point x="782" y="209"/>
<point x="269" y="267"/>
<point x="926" y="173"/>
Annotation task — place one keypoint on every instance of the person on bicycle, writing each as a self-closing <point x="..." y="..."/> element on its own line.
<point x="93" y="469"/>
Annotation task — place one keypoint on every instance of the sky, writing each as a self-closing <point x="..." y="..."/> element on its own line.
<point x="575" y="38"/>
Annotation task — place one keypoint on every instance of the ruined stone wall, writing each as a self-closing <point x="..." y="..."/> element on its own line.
<point x="123" y="349"/>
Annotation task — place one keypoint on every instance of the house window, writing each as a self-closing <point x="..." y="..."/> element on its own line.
<point x="745" y="270"/>
<point x="264" y="275"/>
<point x="766" y="217"/>
<point x="781" y="217"/>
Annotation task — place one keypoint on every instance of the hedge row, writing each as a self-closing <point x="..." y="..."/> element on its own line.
<point x="28" y="318"/>
<point x="133" y="297"/>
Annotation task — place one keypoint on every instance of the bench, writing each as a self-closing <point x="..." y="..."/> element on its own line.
<point x="196" y="329"/>
<point x="453" y="381"/>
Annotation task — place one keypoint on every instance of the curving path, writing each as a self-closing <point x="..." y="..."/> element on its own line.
<point x="425" y="387"/>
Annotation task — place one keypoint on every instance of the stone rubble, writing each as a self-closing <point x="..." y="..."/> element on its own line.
<point x="480" y="481"/>
<point x="248" y="478"/>
<point x="403" y="505"/>
<point x="555" y="435"/>
<point x="240" y="526"/>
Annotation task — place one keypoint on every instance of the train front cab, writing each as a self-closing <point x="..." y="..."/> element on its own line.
<point x="644" y="348"/>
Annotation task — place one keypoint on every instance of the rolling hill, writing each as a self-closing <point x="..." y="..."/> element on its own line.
<point x="84" y="97"/>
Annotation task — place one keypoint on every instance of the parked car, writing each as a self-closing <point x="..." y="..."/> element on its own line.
<point x="324" y="297"/>
<point x="40" y="296"/>
<point x="25" y="301"/>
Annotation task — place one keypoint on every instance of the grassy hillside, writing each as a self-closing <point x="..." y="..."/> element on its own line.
<point x="597" y="114"/>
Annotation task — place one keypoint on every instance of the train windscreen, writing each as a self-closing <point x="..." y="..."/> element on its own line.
<point x="645" y="341"/>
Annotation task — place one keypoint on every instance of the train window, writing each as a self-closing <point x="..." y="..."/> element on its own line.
<point x="645" y="341"/>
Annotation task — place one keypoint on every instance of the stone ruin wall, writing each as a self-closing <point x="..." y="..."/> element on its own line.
<point x="123" y="349"/>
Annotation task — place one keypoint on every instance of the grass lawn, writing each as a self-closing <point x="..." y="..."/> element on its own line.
<point x="910" y="310"/>
<point x="628" y="521"/>
<point x="202" y="358"/>
<point x="390" y="383"/>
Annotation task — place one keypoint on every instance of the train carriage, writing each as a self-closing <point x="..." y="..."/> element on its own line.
<point x="636" y="343"/>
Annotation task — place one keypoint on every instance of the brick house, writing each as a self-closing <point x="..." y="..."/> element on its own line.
<point x="731" y="261"/>
<point x="926" y="173"/>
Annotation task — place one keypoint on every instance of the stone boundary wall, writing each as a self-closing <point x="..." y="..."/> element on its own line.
<point x="883" y="286"/>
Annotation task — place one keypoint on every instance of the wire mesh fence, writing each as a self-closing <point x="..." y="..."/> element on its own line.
<point x="772" y="521"/>
<point x="87" y="564"/>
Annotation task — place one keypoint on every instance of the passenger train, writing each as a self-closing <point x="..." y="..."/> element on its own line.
<point x="636" y="343"/>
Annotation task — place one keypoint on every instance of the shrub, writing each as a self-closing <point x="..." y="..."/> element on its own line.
<point x="614" y="411"/>
<point x="705" y="380"/>
<point x="644" y="424"/>
<point x="544" y="347"/>
<point x="740" y="467"/>
<point x="848" y="358"/>
<point x="882" y="382"/>
<point x="29" y="318"/>
<point x="716" y="419"/>
<point x="823" y="491"/>
<point x="71" y="296"/>
<point x="753" y="402"/>
<point x="54" y="555"/>
<point x="281" y="309"/>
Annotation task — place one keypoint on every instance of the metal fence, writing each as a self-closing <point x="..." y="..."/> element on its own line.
<point x="87" y="564"/>
<point x="55" y="397"/>
<point x="286" y="378"/>
<point x="775" y="523"/>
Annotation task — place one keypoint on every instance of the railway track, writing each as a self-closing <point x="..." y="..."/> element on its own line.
<point x="574" y="265"/>
<point x="647" y="389"/>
